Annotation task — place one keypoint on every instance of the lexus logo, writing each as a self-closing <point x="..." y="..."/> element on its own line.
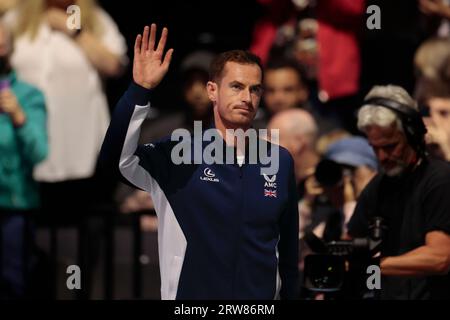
<point x="208" y="173"/>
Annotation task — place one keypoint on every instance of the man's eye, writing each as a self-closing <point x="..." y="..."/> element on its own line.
<point x="389" y="148"/>
<point x="444" y="113"/>
<point x="257" y="90"/>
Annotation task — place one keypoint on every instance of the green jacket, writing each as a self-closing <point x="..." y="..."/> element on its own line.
<point x="22" y="148"/>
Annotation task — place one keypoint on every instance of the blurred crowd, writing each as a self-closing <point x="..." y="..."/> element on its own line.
<point x="320" y="61"/>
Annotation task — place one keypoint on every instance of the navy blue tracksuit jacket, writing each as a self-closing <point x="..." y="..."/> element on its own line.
<point x="222" y="232"/>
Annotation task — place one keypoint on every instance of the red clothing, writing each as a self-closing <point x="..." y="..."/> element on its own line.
<point x="278" y="13"/>
<point x="339" y="52"/>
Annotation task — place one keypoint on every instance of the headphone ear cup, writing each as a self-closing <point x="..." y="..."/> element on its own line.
<point x="410" y="132"/>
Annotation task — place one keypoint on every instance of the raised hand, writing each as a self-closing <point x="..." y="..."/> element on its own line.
<point x="149" y="67"/>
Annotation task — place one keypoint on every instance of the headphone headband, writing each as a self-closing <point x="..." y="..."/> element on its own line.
<point x="393" y="105"/>
<point x="411" y="119"/>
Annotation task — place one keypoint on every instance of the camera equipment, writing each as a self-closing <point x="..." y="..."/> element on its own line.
<point x="339" y="267"/>
<point x="329" y="173"/>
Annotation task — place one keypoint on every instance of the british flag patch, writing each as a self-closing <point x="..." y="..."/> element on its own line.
<point x="270" y="193"/>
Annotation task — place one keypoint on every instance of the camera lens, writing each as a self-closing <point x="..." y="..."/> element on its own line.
<point x="328" y="173"/>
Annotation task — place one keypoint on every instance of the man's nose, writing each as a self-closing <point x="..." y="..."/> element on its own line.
<point x="246" y="96"/>
<point x="381" y="155"/>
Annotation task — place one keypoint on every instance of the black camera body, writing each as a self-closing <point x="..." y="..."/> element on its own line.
<point x="339" y="268"/>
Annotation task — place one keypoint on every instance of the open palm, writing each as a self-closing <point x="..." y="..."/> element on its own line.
<point x="149" y="67"/>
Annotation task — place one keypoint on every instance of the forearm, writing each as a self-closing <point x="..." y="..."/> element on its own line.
<point x="101" y="58"/>
<point x="115" y="138"/>
<point x="422" y="261"/>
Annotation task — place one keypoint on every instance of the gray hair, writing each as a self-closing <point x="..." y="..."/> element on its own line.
<point x="370" y="115"/>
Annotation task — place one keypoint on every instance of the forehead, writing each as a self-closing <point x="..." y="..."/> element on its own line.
<point x="438" y="104"/>
<point x="379" y="135"/>
<point x="245" y="73"/>
<point x="282" y="76"/>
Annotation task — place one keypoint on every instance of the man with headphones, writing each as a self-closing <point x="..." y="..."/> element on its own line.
<point x="411" y="195"/>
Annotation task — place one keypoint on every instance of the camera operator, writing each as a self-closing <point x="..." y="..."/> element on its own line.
<point x="346" y="168"/>
<point x="412" y="195"/>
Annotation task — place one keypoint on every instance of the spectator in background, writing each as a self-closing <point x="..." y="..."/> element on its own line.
<point x="285" y="88"/>
<point x="298" y="133"/>
<point x="339" y="58"/>
<point x="347" y="167"/>
<point x="23" y="144"/>
<point x="68" y="65"/>
<point x="432" y="62"/>
<point x="438" y="126"/>
<point x="437" y="9"/>
<point x="198" y="105"/>
<point x="278" y="14"/>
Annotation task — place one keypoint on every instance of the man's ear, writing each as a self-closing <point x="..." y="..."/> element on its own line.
<point x="212" y="89"/>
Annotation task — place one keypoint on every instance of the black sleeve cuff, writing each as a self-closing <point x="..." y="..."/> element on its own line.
<point x="137" y="94"/>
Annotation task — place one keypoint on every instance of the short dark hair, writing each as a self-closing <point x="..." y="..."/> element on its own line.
<point x="238" y="56"/>
<point x="276" y="64"/>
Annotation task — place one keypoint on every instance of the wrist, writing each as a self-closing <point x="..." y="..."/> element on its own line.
<point x="144" y="84"/>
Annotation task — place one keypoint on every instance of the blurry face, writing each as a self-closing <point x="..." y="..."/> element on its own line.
<point x="440" y="112"/>
<point x="391" y="148"/>
<point x="236" y="97"/>
<point x="283" y="90"/>
<point x="197" y="97"/>
<point x="5" y="46"/>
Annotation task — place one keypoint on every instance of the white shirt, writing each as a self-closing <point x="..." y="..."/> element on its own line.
<point x="77" y="108"/>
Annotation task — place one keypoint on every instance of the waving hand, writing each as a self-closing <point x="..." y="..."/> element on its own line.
<point x="149" y="67"/>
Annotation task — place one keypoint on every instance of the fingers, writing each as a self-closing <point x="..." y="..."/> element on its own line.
<point x="162" y="41"/>
<point x="144" y="46"/>
<point x="167" y="58"/>
<point x="146" y="41"/>
<point x="152" y="36"/>
<point x="137" y="44"/>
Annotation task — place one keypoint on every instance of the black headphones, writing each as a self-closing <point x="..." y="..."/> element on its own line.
<point x="412" y="122"/>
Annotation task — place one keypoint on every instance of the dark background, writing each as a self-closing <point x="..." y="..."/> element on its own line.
<point x="193" y="25"/>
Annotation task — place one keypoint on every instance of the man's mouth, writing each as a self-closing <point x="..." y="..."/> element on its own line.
<point x="248" y="109"/>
